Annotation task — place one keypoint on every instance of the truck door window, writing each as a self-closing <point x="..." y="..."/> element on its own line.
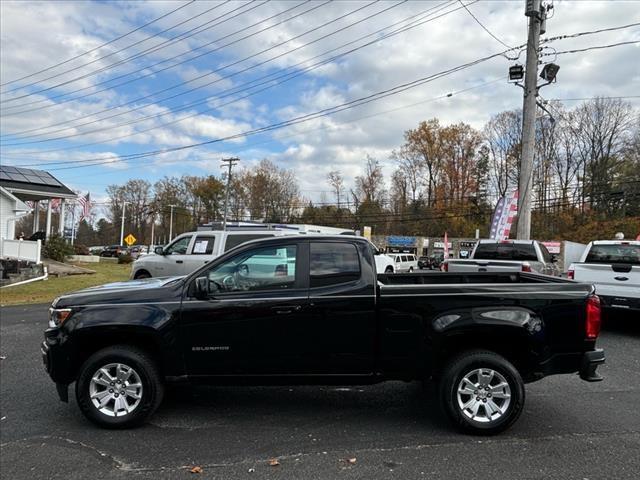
<point x="203" y="246"/>
<point x="233" y="239"/>
<point x="546" y="256"/>
<point x="179" y="247"/>
<point x="333" y="263"/>
<point x="523" y="252"/>
<point x="265" y="268"/>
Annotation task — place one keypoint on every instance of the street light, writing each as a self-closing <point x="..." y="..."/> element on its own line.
<point x="171" y="223"/>
<point x="124" y="204"/>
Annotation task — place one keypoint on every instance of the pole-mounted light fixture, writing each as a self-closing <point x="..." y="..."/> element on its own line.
<point x="549" y="72"/>
<point x="516" y="73"/>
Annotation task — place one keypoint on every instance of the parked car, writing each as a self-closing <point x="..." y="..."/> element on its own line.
<point x="506" y="256"/>
<point x="113" y="251"/>
<point x="423" y="262"/>
<point x="312" y="309"/>
<point x="435" y="260"/>
<point x="613" y="266"/>
<point x="136" y="250"/>
<point x="404" y="262"/>
<point x="191" y="250"/>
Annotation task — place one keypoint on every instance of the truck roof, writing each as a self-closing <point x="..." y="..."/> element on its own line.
<point x="616" y="242"/>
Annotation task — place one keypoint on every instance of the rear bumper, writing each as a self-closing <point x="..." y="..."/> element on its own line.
<point x="590" y="362"/>
<point x="585" y="364"/>
<point x="620" y="303"/>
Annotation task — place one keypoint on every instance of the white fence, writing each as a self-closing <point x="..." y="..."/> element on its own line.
<point x="20" y="250"/>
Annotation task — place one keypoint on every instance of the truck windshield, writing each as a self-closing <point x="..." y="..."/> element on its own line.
<point x="629" y="254"/>
<point x="505" y="251"/>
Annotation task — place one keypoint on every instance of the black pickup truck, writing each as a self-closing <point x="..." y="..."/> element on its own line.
<point x="312" y="310"/>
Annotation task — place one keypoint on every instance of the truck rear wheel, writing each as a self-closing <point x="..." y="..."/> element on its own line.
<point x="119" y="387"/>
<point x="481" y="392"/>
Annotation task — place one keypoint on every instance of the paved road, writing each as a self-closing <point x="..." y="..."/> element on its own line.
<point x="569" y="429"/>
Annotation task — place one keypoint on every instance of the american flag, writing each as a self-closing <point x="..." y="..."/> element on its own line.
<point x="85" y="203"/>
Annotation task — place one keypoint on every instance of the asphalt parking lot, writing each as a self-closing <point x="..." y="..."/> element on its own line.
<point x="569" y="429"/>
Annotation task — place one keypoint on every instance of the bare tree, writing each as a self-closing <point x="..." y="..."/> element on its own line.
<point x="336" y="180"/>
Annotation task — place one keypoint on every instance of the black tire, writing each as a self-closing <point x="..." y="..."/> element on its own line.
<point x="388" y="270"/>
<point x="410" y="269"/>
<point x="143" y="366"/>
<point x="463" y="365"/>
<point x="142" y="274"/>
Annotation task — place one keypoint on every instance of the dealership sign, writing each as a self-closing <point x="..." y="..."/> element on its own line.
<point x="397" y="241"/>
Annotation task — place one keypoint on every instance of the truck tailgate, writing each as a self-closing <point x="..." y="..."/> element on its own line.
<point x="484" y="266"/>
<point x="614" y="280"/>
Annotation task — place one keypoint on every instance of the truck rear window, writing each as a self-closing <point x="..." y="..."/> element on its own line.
<point x="333" y="263"/>
<point x="506" y="251"/>
<point x="629" y="254"/>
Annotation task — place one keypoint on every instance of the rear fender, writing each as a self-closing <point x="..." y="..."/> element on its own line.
<point x="514" y="332"/>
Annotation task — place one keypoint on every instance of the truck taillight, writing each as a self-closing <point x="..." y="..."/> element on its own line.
<point x="594" y="317"/>
<point x="571" y="274"/>
<point x="444" y="267"/>
<point x="526" y="267"/>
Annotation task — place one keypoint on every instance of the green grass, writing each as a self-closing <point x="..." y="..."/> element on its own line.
<point x="45" y="291"/>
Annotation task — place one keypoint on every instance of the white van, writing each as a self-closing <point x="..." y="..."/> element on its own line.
<point x="189" y="251"/>
<point x="404" y="262"/>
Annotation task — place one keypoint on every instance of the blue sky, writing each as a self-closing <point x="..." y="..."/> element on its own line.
<point x="119" y="121"/>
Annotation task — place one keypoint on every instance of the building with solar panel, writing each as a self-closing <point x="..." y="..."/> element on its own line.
<point x="24" y="190"/>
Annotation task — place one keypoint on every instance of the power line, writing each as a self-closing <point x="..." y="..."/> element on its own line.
<point x="155" y="72"/>
<point x="272" y="47"/>
<point x="233" y="91"/>
<point x="94" y="49"/>
<point x="417" y="21"/>
<point x="595" y="97"/>
<point x="94" y="72"/>
<point x="326" y="127"/>
<point x="596" y="47"/>
<point x="483" y="27"/>
<point x="307" y="117"/>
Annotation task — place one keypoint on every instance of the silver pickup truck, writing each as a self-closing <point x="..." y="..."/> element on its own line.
<point x="505" y="256"/>
<point x="613" y="266"/>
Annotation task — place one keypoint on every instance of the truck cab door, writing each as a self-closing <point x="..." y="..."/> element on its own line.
<point x="172" y="263"/>
<point x="342" y="308"/>
<point x="255" y="319"/>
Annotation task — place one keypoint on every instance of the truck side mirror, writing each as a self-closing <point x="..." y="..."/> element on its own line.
<point x="554" y="258"/>
<point x="201" y="288"/>
<point x="159" y="250"/>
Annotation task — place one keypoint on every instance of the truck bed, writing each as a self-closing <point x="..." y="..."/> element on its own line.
<point x="476" y="278"/>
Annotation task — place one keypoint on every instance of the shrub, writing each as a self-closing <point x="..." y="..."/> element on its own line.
<point x="126" y="258"/>
<point x="57" y="248"/>
<point x="81" y="250"/>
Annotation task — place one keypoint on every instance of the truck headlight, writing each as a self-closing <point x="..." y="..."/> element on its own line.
<point x="57" y="316"/>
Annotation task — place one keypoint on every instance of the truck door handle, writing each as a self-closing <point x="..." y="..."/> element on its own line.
<point x="286" y="309"/>
<point x="179" y="261"/>
<point x="621" y="279"/>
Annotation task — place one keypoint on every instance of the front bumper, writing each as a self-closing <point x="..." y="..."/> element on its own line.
<point x="56" y="361"/>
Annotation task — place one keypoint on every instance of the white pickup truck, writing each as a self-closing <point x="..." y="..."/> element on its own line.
<point x="613" y="266"/>
<point x="505" y="256"/>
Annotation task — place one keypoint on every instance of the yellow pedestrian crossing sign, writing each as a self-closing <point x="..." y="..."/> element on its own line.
<point x="130" y="239"/>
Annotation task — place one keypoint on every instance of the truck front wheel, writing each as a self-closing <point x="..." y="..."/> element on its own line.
<point x="119" y="387"/>
<point x="481" y="392"/>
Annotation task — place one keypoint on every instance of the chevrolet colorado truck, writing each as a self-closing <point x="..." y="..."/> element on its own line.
<point x="313" y="310"/>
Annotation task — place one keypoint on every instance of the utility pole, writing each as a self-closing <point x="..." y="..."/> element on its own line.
<point x="124" y="204"/>
<point x="230" y="162"/>
<point x="171" y="223"/>
<point x="535" y="12"/>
